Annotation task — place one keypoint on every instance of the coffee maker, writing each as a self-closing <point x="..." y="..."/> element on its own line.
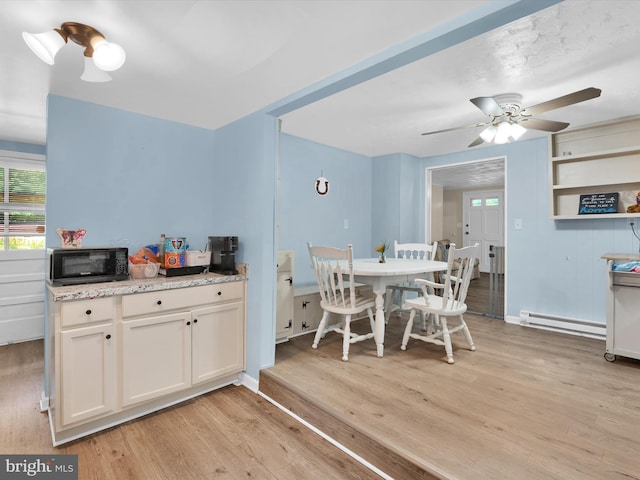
<point x="223" y="254"/>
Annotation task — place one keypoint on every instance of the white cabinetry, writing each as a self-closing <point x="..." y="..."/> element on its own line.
<point x="601" y="158"/>
<point x="87" y="361"/>
<point x="623" y="309"/>
<point x="217" y="341"/>
<point x="117" y="357"/>
<point x="155" y="356"/>
<point x="172" y="351"/>
<point x="284" y="292"/>
<point x="307" y="311"/>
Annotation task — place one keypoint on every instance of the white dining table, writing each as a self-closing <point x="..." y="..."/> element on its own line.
<point x="379" y="275"/>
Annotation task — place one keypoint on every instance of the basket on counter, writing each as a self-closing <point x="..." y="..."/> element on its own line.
<point x="138" y="271"/>
<point x="195" y="258"/>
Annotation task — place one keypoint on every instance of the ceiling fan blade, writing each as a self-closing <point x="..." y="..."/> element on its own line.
<point x="457" y="128"/>
<point x="488" y="105"/>
<point x="570" y="99"/>
<point x="544" y="125"/>
<point x="477" y="141"/>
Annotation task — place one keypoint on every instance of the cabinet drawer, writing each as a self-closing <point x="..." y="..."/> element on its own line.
<point x="81" y="312"/>
<point x="181" y="298"/>
<point x="626" y="279"/>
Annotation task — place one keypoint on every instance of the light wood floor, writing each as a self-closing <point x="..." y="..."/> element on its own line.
<point x="228" y="434"/>
<point x="478" y="296"/>
<point x="528" y="404"/>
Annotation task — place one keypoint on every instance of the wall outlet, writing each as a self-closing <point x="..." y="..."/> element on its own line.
<point x="346" y="223"/>
<point x="630" y="221"/>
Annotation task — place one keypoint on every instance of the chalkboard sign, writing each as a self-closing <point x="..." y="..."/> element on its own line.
<point x="598" y="203"/>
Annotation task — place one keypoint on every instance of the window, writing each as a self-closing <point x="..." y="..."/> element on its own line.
<point x="22" y="201"/>
<point x="492" y="202"/>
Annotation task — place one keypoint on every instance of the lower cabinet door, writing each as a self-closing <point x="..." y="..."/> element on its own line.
<point x="156" y="356"/>
<point x="217" y="346"/>
<point x="87" y="373"/>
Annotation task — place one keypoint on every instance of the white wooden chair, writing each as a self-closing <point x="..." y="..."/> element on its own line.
<point x="334" y="298"/>
<point x="451" y="304"/>
<point x="395" y="293"/>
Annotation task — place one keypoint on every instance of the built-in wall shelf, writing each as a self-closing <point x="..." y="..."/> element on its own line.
<point x="597" y="159"/>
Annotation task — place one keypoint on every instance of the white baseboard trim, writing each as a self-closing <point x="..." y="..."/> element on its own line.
<point x="44" y="402"/>
<point x="249" y="382"/>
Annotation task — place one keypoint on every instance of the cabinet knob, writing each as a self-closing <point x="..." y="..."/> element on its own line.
<point x="219" y="293"/>
<point x="108" y="336"/>
<point x="188" y="323"/>
<point x="88" y="312"/>
<point x="159" y="302"/>
<point x="195" y="320"/>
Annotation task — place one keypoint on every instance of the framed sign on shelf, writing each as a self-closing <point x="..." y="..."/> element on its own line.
<point x="595" y="203"/>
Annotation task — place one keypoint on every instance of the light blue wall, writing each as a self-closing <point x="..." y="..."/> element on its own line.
<point x="398" y="199"/>
<point x="243" y="195"/>
<point x="127" y="178"/>
<point x="553" y="267"/>
<point x="306" y="216"/>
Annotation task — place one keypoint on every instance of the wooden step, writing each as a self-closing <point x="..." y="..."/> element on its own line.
<point x="397" y="464"/>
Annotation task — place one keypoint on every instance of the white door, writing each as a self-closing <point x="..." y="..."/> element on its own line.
<point x="88" y="369"/>
<point x="483" y="221"/>
<point x="156" y="356"/>
<point x="217" y="343"/>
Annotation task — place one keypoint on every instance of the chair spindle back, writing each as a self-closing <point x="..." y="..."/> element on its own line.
<point x="460" y="264"/>
<point x="329" y="264"/>
<point x="413" y="251"/>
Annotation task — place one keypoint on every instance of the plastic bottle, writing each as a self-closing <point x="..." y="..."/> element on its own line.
<point x="161" y="249"/>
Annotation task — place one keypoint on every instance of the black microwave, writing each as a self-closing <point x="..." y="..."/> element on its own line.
<point x="73" y="266"/>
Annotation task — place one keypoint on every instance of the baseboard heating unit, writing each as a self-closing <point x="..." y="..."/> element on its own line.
<point x="557" y="323"/>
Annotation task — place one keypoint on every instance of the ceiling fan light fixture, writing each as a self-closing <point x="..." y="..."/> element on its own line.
<point x="92" y="73"/>
<point x="45" y="45"/>
<point x="517" y="131"/>
<point x="488" y="133"/>
<point x="503" y="133"/>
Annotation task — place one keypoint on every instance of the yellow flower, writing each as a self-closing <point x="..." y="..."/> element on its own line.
<point x="381" y="248"/>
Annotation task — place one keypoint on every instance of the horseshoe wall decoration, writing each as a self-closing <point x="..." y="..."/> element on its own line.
<point x="322" y="186"/>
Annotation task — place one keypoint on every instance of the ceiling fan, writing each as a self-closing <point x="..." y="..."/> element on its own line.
<point x="507" y="118"/>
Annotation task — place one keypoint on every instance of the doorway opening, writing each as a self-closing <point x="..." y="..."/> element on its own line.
<point x="465" y="203"/>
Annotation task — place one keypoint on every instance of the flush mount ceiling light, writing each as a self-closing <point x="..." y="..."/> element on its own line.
<point x="100" y="56"/>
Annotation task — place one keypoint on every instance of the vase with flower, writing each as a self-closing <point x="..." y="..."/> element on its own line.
<point x="381" y="249"/>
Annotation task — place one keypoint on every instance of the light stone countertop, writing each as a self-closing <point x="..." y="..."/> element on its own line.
<point x="621" y="256"/>
<point x="126" y="287"/>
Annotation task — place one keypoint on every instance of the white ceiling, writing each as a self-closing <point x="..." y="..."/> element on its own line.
<point x="207" y="63"/>
<point x="470" y="175"/>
